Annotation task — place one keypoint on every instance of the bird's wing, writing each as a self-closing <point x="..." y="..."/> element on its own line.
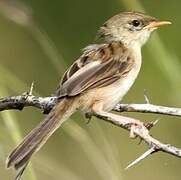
<point x="99" y="66"/>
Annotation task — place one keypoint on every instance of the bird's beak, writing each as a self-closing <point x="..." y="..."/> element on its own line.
<point x="156" y="24"/>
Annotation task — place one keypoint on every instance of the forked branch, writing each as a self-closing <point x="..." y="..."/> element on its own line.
<point x="135" y="127"/>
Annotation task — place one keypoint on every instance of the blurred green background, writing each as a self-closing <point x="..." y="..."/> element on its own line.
<point x="39" y="39"/>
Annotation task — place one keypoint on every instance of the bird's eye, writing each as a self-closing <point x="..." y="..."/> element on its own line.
<point x="135" y="23"/>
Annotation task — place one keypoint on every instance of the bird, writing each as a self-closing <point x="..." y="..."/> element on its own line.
<point x="95" y="82"/>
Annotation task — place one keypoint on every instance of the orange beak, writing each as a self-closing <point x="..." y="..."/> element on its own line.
<point x="156" y="24"/>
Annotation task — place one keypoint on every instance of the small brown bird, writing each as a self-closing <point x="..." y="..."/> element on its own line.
<point x="95" y="82"/>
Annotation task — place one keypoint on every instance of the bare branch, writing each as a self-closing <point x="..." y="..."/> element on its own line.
<point x="141" y="131"/>
<point x="134" y="126"/>
<point x="46" y="103"/>
<point x="26" y="99"/>
<point x="148" y="108"/>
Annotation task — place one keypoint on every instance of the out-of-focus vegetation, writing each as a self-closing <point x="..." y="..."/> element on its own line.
<point x="38" y="40"/>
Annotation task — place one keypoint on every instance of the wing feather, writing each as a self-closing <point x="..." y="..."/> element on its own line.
<point x="97" y="68"/>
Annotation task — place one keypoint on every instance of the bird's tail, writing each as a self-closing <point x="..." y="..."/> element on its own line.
<point x="21" y="155"/>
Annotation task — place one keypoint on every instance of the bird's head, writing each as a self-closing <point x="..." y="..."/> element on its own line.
<point x="131" y="28"/>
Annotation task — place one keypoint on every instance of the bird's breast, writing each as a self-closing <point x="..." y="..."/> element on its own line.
<point x="114" y="93"/>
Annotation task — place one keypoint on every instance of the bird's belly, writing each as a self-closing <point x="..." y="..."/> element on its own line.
<point x="109" y="95"/>
<point x="114" y="93"/>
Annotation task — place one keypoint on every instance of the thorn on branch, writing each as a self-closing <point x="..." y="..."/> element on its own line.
<point x="31" y="89"/>
<point x="146" y="154"/>
<point x="149" y="125"/>
<point x="147" y="101"/>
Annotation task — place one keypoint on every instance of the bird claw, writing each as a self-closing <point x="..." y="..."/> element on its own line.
<point x="132" y="135"/>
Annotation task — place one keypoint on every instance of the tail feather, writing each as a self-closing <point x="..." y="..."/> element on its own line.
<point x="21" y="155"/>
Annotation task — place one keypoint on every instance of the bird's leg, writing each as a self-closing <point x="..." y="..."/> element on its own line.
<point x="88" y="116"/>
<point x="97" y="108"/>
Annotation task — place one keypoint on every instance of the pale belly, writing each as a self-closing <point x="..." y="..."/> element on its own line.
<point x="112" y="94"/>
